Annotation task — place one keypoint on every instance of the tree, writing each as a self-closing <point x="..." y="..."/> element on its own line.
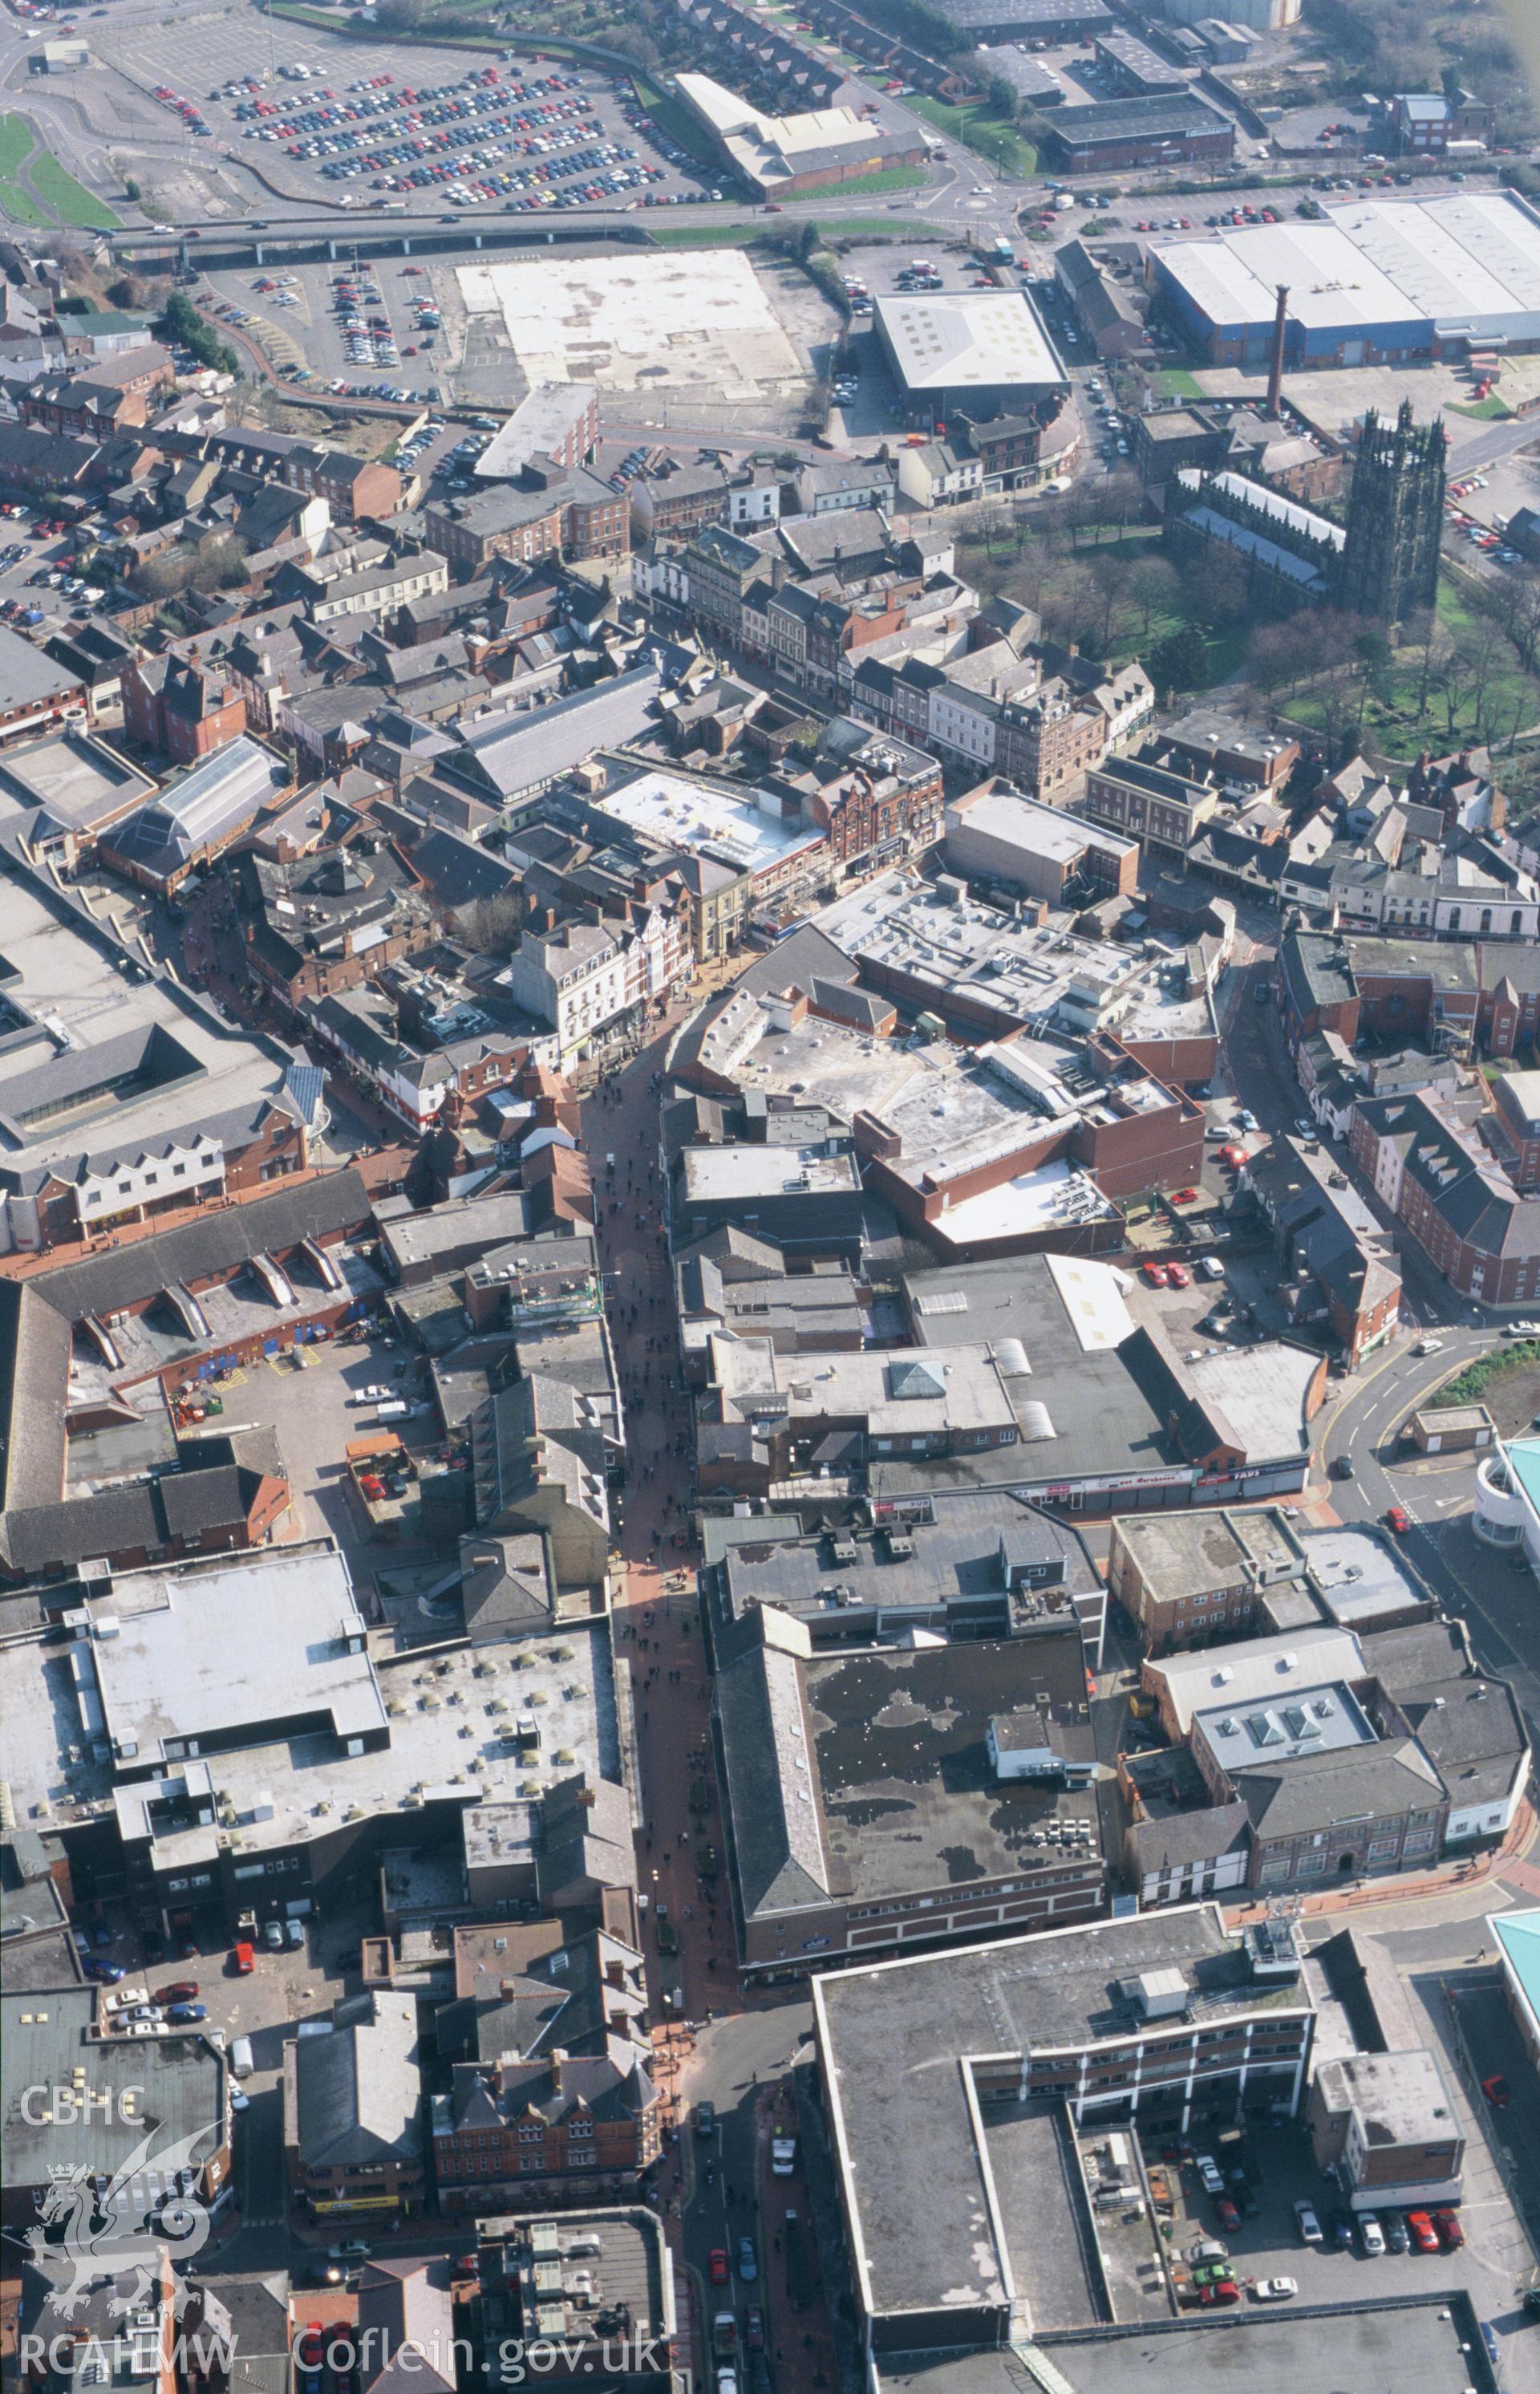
<point x="999" y="97"/>
<point x="1425" y="634"/>
<point x="182" y="323"/>
<point x="164" y="574"/>
<point x="1111" y="612"/>
<point x="493" y="925"/>
<point x="1151" y="586"/>
<point x="1283" y="654"/>
<point x="399" y="15"/>
<point x="1070" y="604"/>
<point x="1179" y="662"/>
<point x="220" y="563"/>
<point x="1217" y="588"/>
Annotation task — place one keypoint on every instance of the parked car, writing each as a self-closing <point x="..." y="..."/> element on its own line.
<point x="717" y="2266"/>
<point x="1371" y="2237"/>
<point x="1450" y="2234"/>
<point x="748" y="2266"/>
<point x="243" y="1959"/>
<point x="1209" y="2173"/>
<point x="1497" y="2092"/>
<point x="181" y="1990"/>
<point x="1275" y="2290"/>
<point x="1424" y="2235"/>
<point x="1396" y="2235"/>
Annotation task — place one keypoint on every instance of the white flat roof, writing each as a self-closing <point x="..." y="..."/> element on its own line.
<point x="1459" y="258"/>
<point x="944" y="339"/>
<point x="543" y="419"/>
<point x="673" y="809"/>
<point x="1052" y="1196"/>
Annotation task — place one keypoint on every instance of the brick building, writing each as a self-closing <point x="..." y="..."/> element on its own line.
<point x="549" y="509"/>
<point x="1160" y="806"/>
<point x="1384" y="2126"/>
<point x="353" y="487"/>
<point x="1465" y="1214"/>
<point x="565" y="2129"/>
<point x="179" y="706"/>
<point x="1515" y="1128"/>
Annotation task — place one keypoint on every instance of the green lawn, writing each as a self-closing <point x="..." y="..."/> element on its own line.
<point x="18" y="204"/>
<point x="1487" y="409"/>
<point x="705" y="236"/>
<point x="894" y="178"/>
<point x="1226" y="649"/>
<point x="996" y="138"/>
<point x="1393" y="723"/>
<point x="17" y="138"/>
<point x="70" y="201"/>
<point x="1175" y="382"/>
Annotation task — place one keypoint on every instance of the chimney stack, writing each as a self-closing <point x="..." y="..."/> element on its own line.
<point x="1275" y="364"/>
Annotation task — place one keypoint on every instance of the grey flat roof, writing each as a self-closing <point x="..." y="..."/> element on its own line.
<point x="891" y="2037"/>
<point x="1422" y="2342"/>
<point x="180" y="2100"/>
<point x="64" y="974"/>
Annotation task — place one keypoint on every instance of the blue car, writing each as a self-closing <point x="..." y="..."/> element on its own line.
<point x="106" y="1974"/>
<point x="186" y="2015"/>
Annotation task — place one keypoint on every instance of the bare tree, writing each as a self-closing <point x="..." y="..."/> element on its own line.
<point x="1151" y="587"/>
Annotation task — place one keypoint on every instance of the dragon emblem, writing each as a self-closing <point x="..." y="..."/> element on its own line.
<point x="89" y="2230"/>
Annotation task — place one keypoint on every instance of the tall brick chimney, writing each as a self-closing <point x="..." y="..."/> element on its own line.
<point x="1275" y="361"/>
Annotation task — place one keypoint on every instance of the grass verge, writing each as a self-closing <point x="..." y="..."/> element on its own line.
<point x="1175" y="382"/>
<point x="18" y="204"/>
<point x="672" y="117"/>
<point x="17" y="138"/>
<point x="995" y="138"/>
<point x="70" y="201"/>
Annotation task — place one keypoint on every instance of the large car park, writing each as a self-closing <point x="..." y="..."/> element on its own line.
<point x="526" y="137"/>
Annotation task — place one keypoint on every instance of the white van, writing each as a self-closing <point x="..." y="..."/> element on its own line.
<point x="241" y="2060"/>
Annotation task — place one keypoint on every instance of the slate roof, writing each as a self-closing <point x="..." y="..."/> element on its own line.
<point x="359" y="2089"/>
<point x="1377" y="1782"/>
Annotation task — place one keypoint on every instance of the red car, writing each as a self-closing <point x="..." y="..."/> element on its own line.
<point x="1185" y="1197"/>
<point x="1229" y="2217"/>
<point x="1232" y="1155"/>
<point x="181" y="1990"/>
<point x="1398" y="1519"/>
<point x="1178" y="1276"/>
<point x="1496" y="2092"/>
<point x="1155" y="1275"/>
<point x="244" y="1959"/>
<point x="1422" y="2231"/>
<point x="716" y="2265"/>
<point x="1217" y="2293"/>
<point x="1450" y="2234"/>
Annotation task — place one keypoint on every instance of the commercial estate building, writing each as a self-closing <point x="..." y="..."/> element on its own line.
<point x="878" y="1798"/>
<point x="1382" y="279"/>
<point x="985" y="351"/>
<point x="964" y="2057"/>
